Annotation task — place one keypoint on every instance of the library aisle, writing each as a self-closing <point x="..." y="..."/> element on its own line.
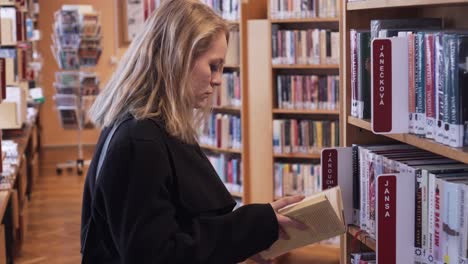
<point x="54" y="213"/>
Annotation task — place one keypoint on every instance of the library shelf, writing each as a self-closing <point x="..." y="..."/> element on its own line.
<point x="307" y="66"/>
<point x="362" y="236"/>
<point x="374" y="4"/>
<point x="460" y="154"/>
<point x="315" y="155"/>
<point x="305" y="111"/>
<point x="305" y="20"/>
<point x="227" y="109"/>
<point x="222" y="150"/>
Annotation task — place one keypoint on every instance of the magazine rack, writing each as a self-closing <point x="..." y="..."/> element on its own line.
<point x="76" y="48"/>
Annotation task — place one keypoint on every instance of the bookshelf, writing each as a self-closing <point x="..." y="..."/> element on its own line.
<point x="357" y="15"/>
<point x="263" y="76"/>
<point x="313" y="156"/>
<point x="305" y="20"/>
<point x="250" y="9"/>
<point x="305" y="112"/>
<point x="307" y="67"/>
<point x="222" y="150"/>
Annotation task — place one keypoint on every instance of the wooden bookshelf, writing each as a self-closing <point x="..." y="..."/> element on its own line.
<point x="227" y="109"/>
<point x="298" y="156"/>
<point x="357" y="15"/>
<point x="222" y="150"/>
<point x="306" y="66"/>
<point x="305" y="112"/>
<point x="305" y="20"/>
<point x="374" y="4"/>
<point x="9" y="45"/>
<point x="460" y="154"/>
<point x="8" y="4"/>
<point x="236" y="194"/>
<point x="362" y="236"/>
<point x="231" y="66"/>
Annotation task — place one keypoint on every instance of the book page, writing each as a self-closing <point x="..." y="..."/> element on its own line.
<point x="322" y="219"/>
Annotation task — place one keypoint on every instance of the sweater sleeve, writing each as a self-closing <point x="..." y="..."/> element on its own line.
<point x="142" y="216"/>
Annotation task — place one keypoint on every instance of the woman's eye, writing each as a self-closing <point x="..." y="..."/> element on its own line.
<point x="214" y="67"/>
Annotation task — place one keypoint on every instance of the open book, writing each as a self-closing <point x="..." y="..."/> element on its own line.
<point x="322" y="213"/>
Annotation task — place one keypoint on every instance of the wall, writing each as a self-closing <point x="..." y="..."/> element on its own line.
<point x="52" y="133"/>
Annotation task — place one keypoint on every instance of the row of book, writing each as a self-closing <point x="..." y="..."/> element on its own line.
<point x="360" y="45"/>
<point x="76" y="39"/>
<point x="435" y="66"/>
<point x="363" y="258"/>
<point x="221" y="131"/>
<point x="228" y="9"/>
<point x="296" y="179"/>
<point x="229" y="169"/>
<point x="17" y="63"/>
<point x="16" y="26"/>
<point x="290" y="9"/>
<point x="437" y="199"/>
<point x="229" y="94"/>
<point x="304" y="136"/>
<point x="9" y="160"/>
<point x="312" y="46"/>
<point x="310" y="92"/>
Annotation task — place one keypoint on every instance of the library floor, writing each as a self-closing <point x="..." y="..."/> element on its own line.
<point x="55" y="215"/>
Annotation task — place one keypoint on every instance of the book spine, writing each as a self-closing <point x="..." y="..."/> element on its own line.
<point x="429" y="82"/>
<point x="438" y="256"/>
<point x="411" y="83"/>
<point x="363" y="186"/>
<point x="450" y="217"/>
<point x="417" y="214"/>
<point x="447" y="90"/>
<point x="424" y="216"/>
<point x="420" y="85"/>
<point x="462" y="242"/>
<point x="455" y="120"/>
<point x="431" y="217"/>
<point x="2" y="79"/>
<point x="439" y="85"/>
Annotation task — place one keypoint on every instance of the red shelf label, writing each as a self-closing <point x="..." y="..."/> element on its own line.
<point x="382" y="85"/>
<point x="386" y="243"/>
<point x="330" y="168"/>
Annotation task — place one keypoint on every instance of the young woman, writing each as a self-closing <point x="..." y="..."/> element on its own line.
<point x="151" y="195"/>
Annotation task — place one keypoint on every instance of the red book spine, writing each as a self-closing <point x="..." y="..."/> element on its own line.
<point x="218" y="132"/>
<point x="2" y="79"/>
<point x="19" y="31"/>
<point x="230" y="178"/>
<point x="430" y="96"/>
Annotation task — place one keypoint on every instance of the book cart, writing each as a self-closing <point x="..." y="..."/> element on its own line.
<point x="76" y="48"/>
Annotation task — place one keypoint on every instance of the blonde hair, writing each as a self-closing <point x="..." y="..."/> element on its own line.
<point x="153" y="77"/>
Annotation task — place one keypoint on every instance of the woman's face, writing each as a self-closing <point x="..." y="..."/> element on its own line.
<point x="207" y="72"/>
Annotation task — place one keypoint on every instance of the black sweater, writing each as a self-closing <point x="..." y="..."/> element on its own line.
<point x="159" y="200"/>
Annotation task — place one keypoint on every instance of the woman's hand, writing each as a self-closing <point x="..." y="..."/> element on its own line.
<point x="285" y="221"/>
